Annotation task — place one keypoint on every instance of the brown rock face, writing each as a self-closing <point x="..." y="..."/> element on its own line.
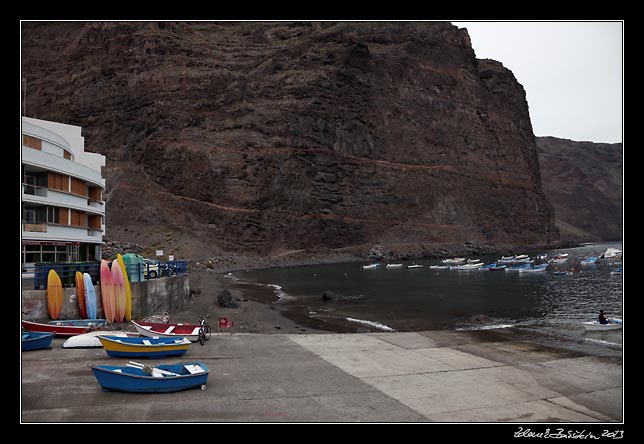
<point x="584" y="183"/>
<point x="268" y="137"/>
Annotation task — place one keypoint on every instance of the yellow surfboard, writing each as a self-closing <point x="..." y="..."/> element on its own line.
<point x="128" y="291"/>
<point x="54" y="294"/>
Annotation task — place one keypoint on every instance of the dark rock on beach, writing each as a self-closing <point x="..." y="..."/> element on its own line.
<point x="225" y="299"/>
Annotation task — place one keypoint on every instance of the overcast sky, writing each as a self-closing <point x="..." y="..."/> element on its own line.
<point x="572" y="73"/>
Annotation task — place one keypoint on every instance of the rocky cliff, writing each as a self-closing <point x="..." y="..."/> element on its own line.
<point x="270" y="137"/>
<point x="584" y="183"/>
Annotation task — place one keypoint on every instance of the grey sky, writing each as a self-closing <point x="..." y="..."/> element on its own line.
<point x="572" y="73"/>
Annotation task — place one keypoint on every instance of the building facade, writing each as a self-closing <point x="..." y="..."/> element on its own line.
<point x="63" y="211"/>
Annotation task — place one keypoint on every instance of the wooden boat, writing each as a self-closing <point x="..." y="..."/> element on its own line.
<point x="470" y="266"/>
<point x="130" y="347"/>
<point x="140" y="378"/>
<point x="90" y="340"/>
<point x="498" y="268"/>
<point x="32" y="340"/>
<point x="454" y="261"/>
<point x="414" y="266"/>
<point x="439" y="267"/>
<point x="393" y="266"/>
<point x="614" y="324"/>
<point x="161" y="330"/>
<point x="370" y="266"/>
<point x="59" y="330"/>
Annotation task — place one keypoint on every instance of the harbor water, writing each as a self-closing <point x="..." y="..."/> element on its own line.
<point x="416" y="299"/>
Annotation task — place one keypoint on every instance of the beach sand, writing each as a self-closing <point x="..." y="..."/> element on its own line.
<point x="261" y="310"/>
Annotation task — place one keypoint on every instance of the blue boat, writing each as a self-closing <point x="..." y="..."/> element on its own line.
<point x="140" y="378"/>
<point x="142" y="347"/>
<point x="32" y="340"/>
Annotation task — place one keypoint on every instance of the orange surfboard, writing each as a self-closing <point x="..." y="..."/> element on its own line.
<point x="54" y="294"/>
<point x="119" y="291"/>
<point x="107" y="292"/>
<point x="128" y="290"/>
<point x="80" y="294"/>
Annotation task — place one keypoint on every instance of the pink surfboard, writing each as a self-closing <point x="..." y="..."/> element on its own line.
<point x="107" y="292"/>
<point x="118" y="282"/>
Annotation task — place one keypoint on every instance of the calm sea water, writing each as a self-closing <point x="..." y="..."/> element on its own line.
<point x="423" y="299"/>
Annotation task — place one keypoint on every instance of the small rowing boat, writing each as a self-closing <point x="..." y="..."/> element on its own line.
<point x="142" y="378"/>
<point x="36" y="340"/>
<point x="161" y="330"/>
<point x="58" y="330"/>
<point x="128" y="347"/>
<point x="613" y="324"/>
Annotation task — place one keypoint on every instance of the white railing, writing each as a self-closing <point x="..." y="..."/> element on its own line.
<point x="34" y="190"/>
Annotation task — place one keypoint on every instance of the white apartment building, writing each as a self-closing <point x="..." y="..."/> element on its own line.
<point x="63" y="212"/>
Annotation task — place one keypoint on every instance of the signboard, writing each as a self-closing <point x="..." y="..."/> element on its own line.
<point x="171" y="257"/>
<point x="159" y="252"/>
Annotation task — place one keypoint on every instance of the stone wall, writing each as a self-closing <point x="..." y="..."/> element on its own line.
<point x="148" y="297"/>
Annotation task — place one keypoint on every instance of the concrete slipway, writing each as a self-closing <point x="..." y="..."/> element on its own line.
<point x="434" y="376"/>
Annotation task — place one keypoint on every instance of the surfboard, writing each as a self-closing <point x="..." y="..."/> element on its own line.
<point x="119" y="291"/>
<point x="90" y="296"/>
<point x="54" y="294"/>
<point x="107" y="292"/>
<point x="128" y="290"/>
<point x="80" y="294"/>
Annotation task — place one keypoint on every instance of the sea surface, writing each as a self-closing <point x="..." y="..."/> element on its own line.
<point x="403" y="299"/>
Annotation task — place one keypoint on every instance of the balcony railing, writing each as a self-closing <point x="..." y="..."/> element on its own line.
<point x="34" y="190"/>
<point x="34" y="227"/>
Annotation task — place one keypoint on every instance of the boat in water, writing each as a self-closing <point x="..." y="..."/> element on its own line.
<point x="370" y="266"/>
<point x="614" y="324"/>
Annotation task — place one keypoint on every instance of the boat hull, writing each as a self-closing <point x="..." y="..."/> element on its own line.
<point x="120" y="347"/>
<point x="132" y="379"/>
<point x="58" y="330"/>
<point x="615" y="324"/>
<point x="36" y="341"/>
<point x="157" y="329"/>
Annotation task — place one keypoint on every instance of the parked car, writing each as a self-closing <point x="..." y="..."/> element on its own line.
<point x="151" y="269"/>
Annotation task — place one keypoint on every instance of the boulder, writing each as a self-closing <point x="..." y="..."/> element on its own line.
<point x="225" y="300"/>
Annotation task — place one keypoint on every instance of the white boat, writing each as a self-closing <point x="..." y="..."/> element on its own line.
<point x="614" y="324"/>
<point x="559" y="259"/>
<point x="414" y="266"/>
<point x="518" y="267"/>
<point x="393" y="265"/>
<point x="454" y="261"/>
<point x="439" y="267"/>
<point x="589" y="261"/>
<point x="537" y="269"/>
<point x="471" y="266"/>
<point x="370" y="266"/>
<point x="612" y="253"/>
<point x="90" y="340"/>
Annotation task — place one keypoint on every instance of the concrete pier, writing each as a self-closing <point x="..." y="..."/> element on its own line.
<point x="434" y="376"/>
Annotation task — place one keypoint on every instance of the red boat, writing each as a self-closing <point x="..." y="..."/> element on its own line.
<point x="60" y="330"/>
<point x="161" y="330"/>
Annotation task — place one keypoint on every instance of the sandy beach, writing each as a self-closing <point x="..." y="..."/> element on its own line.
<point x="261" y="311"/>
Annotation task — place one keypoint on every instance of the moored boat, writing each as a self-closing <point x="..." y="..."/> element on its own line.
<point x="129" y="347"/>
<point x="58" y="330"/>
<point x="414" y="266"/>
<point x="393" y="266"/>
<point x="80" y="322"/>
<point x="140" y="378"/>
<point x="454" y="261"/>
<point x="614" y="324"/>
<point x="32" y="340"/>
<point x="370" y="266"/>
<point x="152" y="329"/>
<point x="536" y="269"/>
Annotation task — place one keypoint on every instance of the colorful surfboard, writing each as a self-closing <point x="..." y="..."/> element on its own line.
<point x="54" y="294"/>
<point x="119" y="291"/>
<point x="107" y="292"/>
<point x="80" y="294"/>
<point x="128" y="290"/>
<point x="90" y="296"/>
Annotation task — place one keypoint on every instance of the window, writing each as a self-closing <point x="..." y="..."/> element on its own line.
<point x="53" y="215"/>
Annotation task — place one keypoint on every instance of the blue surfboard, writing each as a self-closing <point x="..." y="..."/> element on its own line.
<point x="90" y="296"/>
